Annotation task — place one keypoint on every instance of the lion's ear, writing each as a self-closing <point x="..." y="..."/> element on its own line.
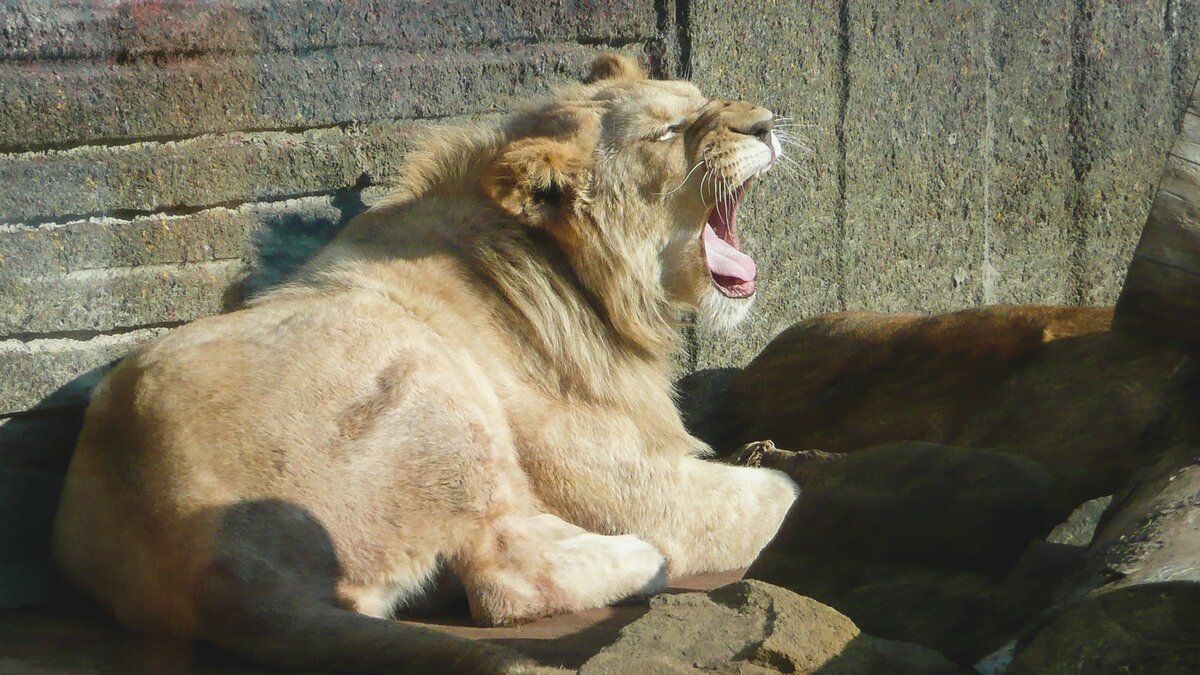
<point x="538" y="180"/>
<point x="610" y="66"/>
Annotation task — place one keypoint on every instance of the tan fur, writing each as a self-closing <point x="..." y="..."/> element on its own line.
<point x="472" y="379"/>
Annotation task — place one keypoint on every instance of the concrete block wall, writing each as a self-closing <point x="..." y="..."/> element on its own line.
<point x="158" y="159"/>
<point x="962" y="152"/>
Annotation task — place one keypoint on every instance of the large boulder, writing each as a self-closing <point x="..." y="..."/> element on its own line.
<point x="913" y="502"/>
<point x="1148" y="629"/>
<point x="1135" y="607"/>
<point x="753" y="627"/>
<point x="918" y="542"/>
<point x="1051" y="384"/>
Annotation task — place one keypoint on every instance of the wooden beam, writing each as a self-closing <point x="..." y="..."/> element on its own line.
<point x="1161" y="295"/>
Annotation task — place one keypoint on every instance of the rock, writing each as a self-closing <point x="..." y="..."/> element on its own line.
<point x="80" y="102"/>
<point x="60" y="372"/>
<point x="753" y="627"/>
<point x="1135" y="606"/>
<point x="1147" y="629"/>
<point x="1051" y="384"/>
<point x="1079" y="528"/>
<point x="1150" y="534"/>
<point x="961" y="613"/>
<point x="996" y="662"/>
<point x="915" y="502"/>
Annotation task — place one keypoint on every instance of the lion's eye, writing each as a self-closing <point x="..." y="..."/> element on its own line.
<point x="671" y="132"/>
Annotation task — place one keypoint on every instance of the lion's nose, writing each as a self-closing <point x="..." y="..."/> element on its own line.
<point x="762" y="129"/>
<point x="757" y="122"/>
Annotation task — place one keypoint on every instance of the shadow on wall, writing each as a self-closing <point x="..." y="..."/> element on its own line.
<point x="289" y="239"/>
<point x="29" y="490"/>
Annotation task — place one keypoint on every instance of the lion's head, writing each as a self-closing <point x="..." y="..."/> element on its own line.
<point x="651" y="167"/>
<point x="626" y="185"/>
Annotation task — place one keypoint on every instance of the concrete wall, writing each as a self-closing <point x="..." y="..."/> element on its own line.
<point x="963" y="152"/>
<point x="158" y="159"/>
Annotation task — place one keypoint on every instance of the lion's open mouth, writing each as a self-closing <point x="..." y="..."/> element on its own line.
<point x="732" y="271"/>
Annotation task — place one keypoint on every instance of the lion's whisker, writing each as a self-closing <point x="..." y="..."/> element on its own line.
<point x="728" y="200"/>
<point x="707" y="172"/>
<point x="684" y="181"/>
<point x="797" y="170"/>
<point x="785" y="132"/>
<point x="795" y="144"/>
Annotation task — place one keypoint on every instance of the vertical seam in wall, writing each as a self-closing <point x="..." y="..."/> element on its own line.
<point x="1077" y="105"/>
<point x="839" y="211"/>
<point x="666" y="44"/>
<point x="989" y="150"/>
<point x="1181" y="85"/>
<point x="683" y="33"/>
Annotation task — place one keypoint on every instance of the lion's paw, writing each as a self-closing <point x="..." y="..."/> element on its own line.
<point x="615" y="568"/>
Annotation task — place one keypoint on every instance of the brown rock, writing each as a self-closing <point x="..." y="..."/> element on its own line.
<point x="1139" y="630"/>
<point x="1051" y="384"/>
<point x="1136" y="606"/>
<point x="1079" y="528"/>
<point x="912" y="502"/>
<point x="961" y="613"/>
<point x="753" y="627"/>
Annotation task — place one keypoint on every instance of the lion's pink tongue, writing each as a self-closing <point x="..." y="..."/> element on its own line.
<point x="726" y="260"/>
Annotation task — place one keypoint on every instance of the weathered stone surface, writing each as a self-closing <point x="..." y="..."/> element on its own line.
<point x="101" y="300"/>
<point x="993" y="152"/>
<point x="42" y="441"/>
<point x="964" y="614"/>
<point x="1137" y="65"/>
<point x="1160" y="299"/>
<point x="1028" y="177"/>
<point x="1142" y="630"/>
<point x="783" y="55"/>
<point x="1161" y="288"/>
<point x="1150" y="534"/>
<point x="919" y="502"/>
<point x="752" y="627"/>
<point x="1079" y="528"/>
<point x="916" y="123"/>
<point x="60" y="104"/>
<point x="997" y="661"/>
<point x="80" y="29"/>
<point x="1135" y="605"/>
<point x="1050" y="384"/>
<point x="198" y="172"/>
<point x="98" y="243"/>
<point x="59" y="373"/>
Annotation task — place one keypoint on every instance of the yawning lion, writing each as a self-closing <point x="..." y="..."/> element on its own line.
<point x="472" y="380"/>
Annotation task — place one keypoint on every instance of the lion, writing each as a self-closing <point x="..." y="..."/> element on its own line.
<point x="473" y="379"/>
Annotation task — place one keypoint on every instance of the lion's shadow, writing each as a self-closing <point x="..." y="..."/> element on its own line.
<point x="37" y="444"/>
<point x="288" y="239"/>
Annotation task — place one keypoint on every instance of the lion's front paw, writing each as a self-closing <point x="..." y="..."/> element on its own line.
<point x="628" y="563"/>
